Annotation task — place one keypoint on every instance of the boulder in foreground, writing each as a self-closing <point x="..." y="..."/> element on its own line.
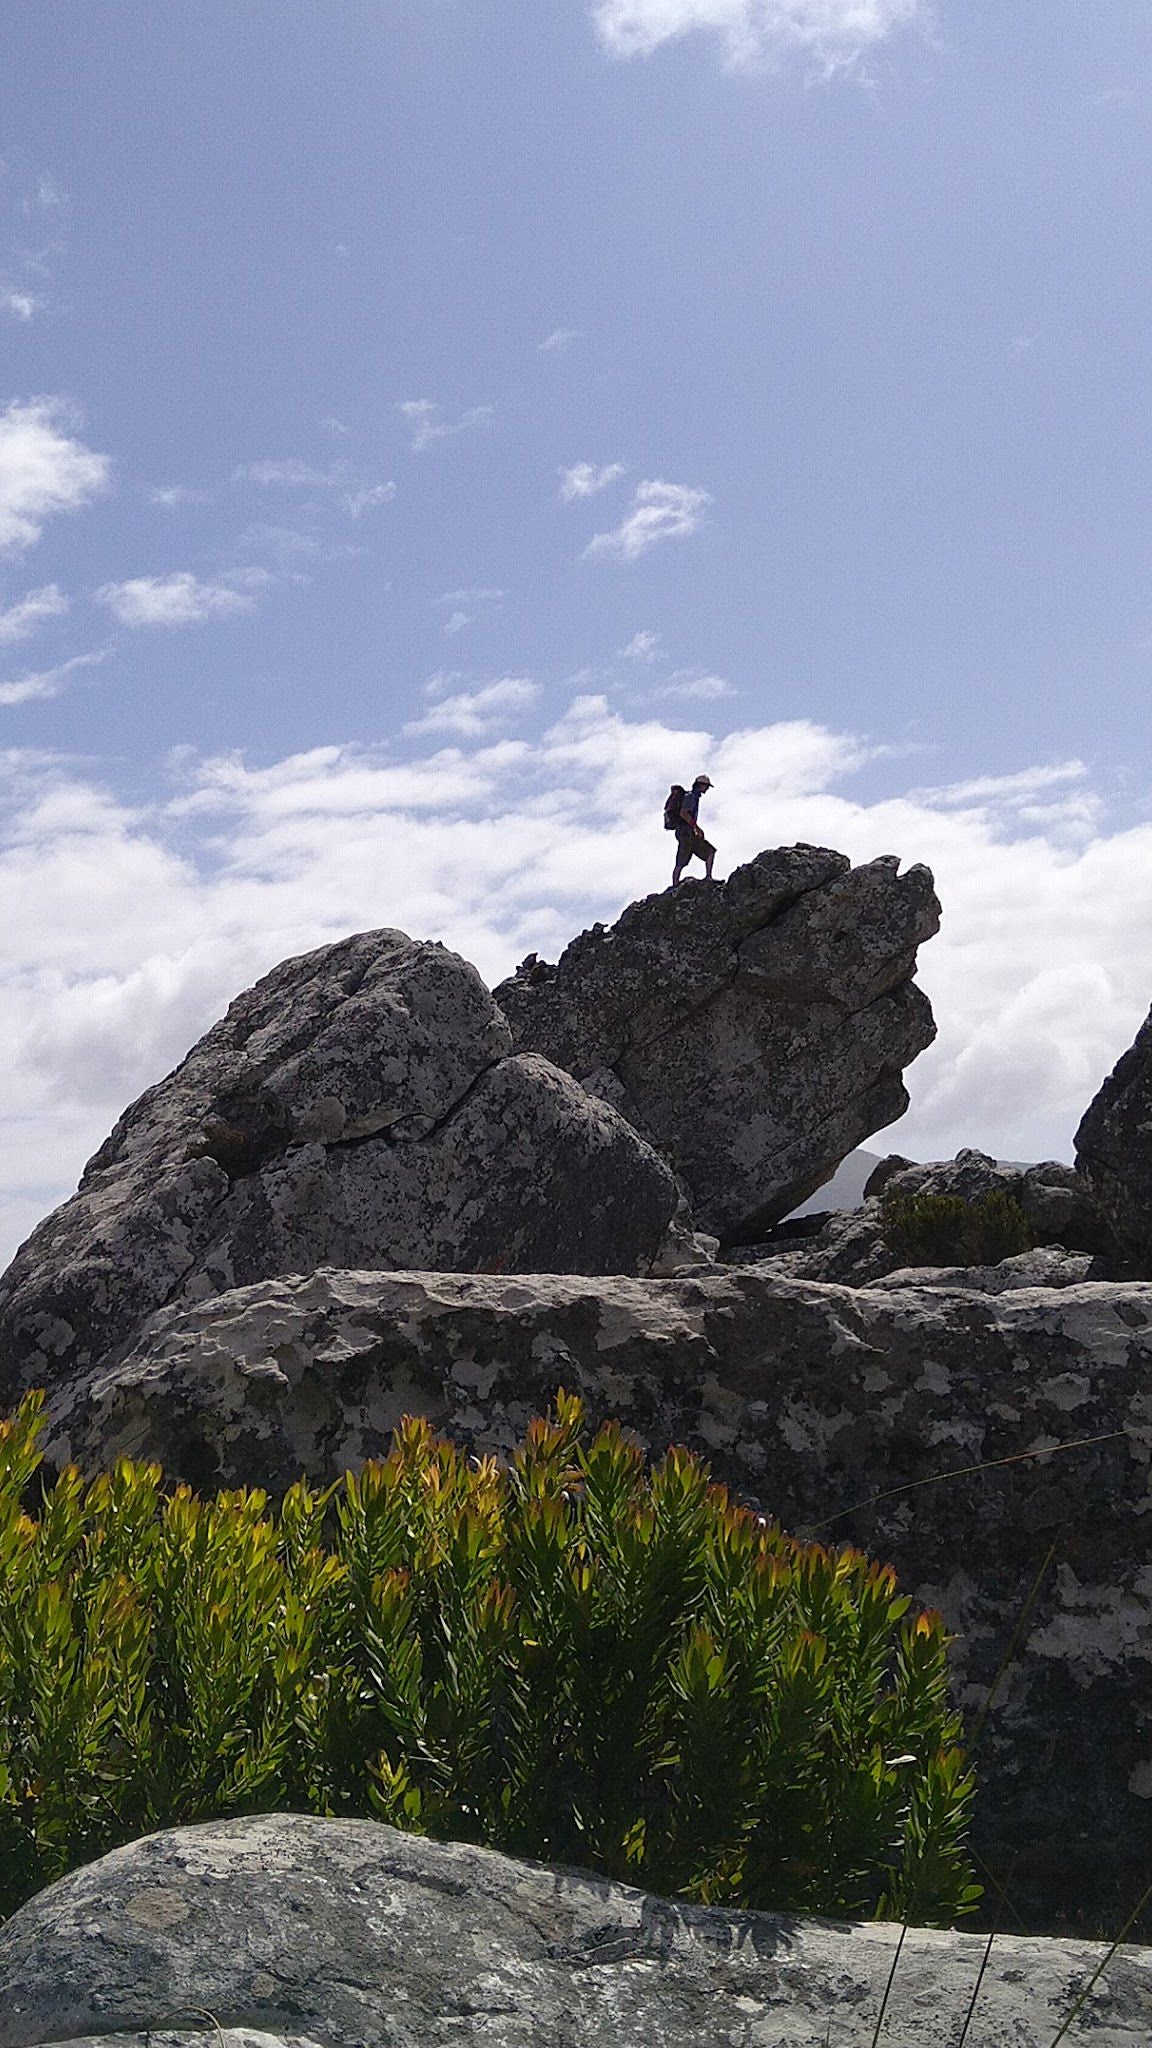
<point x="363" y="1106"/>
<point x="756" y="1030"/>
<point x="350" y="1934"/>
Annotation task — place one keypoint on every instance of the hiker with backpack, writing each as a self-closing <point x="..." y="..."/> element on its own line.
<point x="680" y="817"/>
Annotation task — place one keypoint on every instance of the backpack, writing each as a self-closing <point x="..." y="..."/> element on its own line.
<point x="672" y="803"/>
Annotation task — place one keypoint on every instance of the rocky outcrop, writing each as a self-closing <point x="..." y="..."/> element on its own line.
<point x="1074" y="1241"/>
<point x="1114" y="1148"/>
<point x="362" y="1105"/>
<point x="1058" y="1206"/>
<point x="854" y="1414"/>
<point x="755" y="1030"/>
<point x="346" y="1932"/>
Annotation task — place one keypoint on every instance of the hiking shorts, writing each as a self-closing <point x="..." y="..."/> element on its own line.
<point x="689" y="843"/>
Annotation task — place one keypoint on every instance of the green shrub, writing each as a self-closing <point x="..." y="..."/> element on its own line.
<point x="575" y="1657"/>
<point x="945" y="1230"/>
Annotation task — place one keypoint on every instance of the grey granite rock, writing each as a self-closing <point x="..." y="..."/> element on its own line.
<point x="1114" y="1148"/>
<point x="1049" y="1265"/>
<point x="856" y="1414"/>
<point x="847" y="1246"/>
<point x="1074" y="1239"/>
<point x="756" y="1030"/>
<point x="350" y="1934"/>
<point x="1057" y="1200"/>
<point x="362" y="1105"/>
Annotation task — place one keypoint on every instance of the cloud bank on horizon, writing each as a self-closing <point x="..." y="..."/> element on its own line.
<point x="140" y="922"/>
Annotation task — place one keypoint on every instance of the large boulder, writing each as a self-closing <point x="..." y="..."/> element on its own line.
<point x="756" y="1029"/>
<point x="362" y="1105"/>
<point x="289" y="1929"/>
<point x="906" y="1419"/>
<point x="1114" y="1148"/>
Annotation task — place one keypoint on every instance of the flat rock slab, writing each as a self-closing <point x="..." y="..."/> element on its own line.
<point x="352" y="1935"/>
<point x="855" y="1413"/>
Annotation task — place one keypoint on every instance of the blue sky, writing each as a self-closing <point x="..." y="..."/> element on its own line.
<point x="383" y="378"/>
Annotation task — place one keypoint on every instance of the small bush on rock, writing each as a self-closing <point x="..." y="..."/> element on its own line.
<point x="572" y="1657"/>
<point x="946" y="1230"/>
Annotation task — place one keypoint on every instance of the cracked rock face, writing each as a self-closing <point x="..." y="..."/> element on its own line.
<point x="1114" y="1148"/>
<point x="815" y="1401"/>
<point x="288" y="1929"/>
<point x="362" y="1105"/>
<point x="756" y="1030"/>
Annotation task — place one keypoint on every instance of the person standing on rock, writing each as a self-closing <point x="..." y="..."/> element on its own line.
<point x="690" y="841"/>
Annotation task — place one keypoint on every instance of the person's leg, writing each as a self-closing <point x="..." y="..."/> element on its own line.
<point x="684" y="849"/>
<point x="707" y="854"/>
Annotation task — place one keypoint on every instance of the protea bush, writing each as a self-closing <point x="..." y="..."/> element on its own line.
<point x="573" y="1656"/>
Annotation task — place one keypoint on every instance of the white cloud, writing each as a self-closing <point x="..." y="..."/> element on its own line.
<point x="21" y="305"/>
<point x="171" y="495"/>
<point x="704" y="689"/>
<point x="289" y="547"/>
<point x="137" y="926"/>
<point x="560" y="337"/>
<point x="476" y="711"/>
<point x="426" y="422"/>
<point x="466" y="606"/>
<point x="47" y="194"/>
<point x="288" y="473"/>
<point x="831" y="34"/>
<point x="23" y="617"/>
<point x="659" y="512"/>
<point x="47" y="682"/>
<point x="180" y="599"/>
<point x="643" y="646"/>
<point x="367" y="498"/>
<point x="1023" y="788"/>
<point x="584" y="479"/>
<point x="43" y="470"/>
<point x="285" y="474"/>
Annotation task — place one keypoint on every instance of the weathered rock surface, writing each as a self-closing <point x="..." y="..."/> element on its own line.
<point x="361" y="1105"/>
<point x="351" y="1934"/>
<point x="1114" y="1148"/>
<point x="756" y="1029"/>
<point x="1074" y="1239"/>
<point x="1057" y="1202"/>
<point x="840" y="1410"/>
<point x="1049" y="1265"/>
